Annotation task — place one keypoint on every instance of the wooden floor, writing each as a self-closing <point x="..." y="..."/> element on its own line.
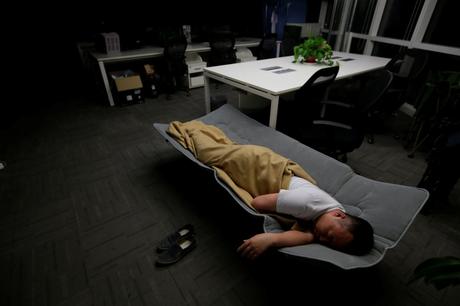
<point x="89" y="190"/>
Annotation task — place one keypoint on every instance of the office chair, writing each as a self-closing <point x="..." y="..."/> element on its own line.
<point x="296" y="114"/>
<point x="267" y="47"/>
<point x="222" y="43"/>
<point x="438" y="105"/>
<point x="175" y="73"/>
<point x="408" y="67"/>
<point x="291" y="38"/>
<point x="339" y="128"/>
<point x="443" y="165"/>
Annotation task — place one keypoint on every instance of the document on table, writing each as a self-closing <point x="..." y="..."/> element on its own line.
<point x="284" y="71"/>
<point x="271" y="68"/>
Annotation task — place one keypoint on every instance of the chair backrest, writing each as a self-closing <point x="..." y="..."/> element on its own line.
<point x="222" y="43"/>
<point x="373" y="90"/>
<point x="175" y="50"/>
<point x="175" y="44"/>
<point x="175" y="67"/>
<point x="295" y="114"/>
<point x="291" y="38"/>
<point x="316" y="87"/>
<point x="408" y="63"/>
<point x="408" y="67"/>
<point x="267" y="47"/>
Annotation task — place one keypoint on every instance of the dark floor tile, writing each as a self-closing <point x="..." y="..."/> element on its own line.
<point x="89" y="191"/>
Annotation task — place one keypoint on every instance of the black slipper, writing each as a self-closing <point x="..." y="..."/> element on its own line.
<point x="183" y="232"/>
<point x="176" y="251"/>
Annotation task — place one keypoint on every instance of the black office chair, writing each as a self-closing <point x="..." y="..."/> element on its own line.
<point x="291" y="38"/>
<point x="175" y="73"/>
<point x="297" y="114"/>
<point x="408" y="68"/>
<point x="267" y="47"/>
<point x="222" y="43"/>
<point x="438" y="104"/>
<point x="443" y="168"/>
<point x="339" y="128"/>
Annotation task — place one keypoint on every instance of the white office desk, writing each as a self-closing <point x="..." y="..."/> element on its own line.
<point x="251" y="77"/>
<point x="152" y="51"/>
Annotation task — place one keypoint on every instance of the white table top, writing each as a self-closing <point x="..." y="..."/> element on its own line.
<point x="129" y="54"/>
<point x="251" y="73"/>
<point x="153" y="51"/>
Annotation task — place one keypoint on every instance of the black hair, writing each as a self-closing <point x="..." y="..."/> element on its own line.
<point x="363" y="236"/>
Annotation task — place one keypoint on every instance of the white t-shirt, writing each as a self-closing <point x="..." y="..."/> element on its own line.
<point x="305" y="200"/>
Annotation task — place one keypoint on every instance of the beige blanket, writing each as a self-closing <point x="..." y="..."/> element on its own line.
<point x="249" y="170"/>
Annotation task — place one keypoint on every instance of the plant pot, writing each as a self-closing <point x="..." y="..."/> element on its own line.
<point x="310" y="59"/>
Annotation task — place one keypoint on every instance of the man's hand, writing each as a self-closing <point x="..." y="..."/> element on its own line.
<point x="256" y="245"/>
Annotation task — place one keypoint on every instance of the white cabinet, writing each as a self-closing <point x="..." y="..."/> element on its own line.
<point x="195" y="70"/>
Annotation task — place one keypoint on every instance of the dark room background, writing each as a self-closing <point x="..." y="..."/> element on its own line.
<point x="43" y="36"/>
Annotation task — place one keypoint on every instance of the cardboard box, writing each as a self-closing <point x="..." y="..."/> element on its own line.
<point x="128" y="83"/>
<point x="130" y="97"/>
<point x="150" y="80"/>
<point x="129" y="88"/>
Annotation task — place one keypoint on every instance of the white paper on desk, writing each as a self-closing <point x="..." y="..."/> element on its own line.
<point x="271" y="68"/>
<point x="284" y="71"/>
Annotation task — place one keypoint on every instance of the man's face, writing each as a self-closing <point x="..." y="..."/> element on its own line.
<point x="330" y="231"/>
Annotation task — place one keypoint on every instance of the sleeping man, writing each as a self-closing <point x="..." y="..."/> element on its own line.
<point x="327" y="223"/>
<point x="271" y="183"/>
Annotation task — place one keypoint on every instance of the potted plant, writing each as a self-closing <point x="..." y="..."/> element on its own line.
<point x="315" y="49"/>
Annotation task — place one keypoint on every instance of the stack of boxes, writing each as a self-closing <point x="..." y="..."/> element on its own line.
<point x="128" y="86"/>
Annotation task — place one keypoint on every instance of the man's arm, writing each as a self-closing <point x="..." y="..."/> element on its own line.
<point x="258" y="244"/>
<point x="265" y="203"/>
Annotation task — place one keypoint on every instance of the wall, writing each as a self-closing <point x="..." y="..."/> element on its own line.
<point x="297" y="11"/>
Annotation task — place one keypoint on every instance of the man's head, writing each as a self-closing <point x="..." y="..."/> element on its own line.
<point x="344" y="232"/>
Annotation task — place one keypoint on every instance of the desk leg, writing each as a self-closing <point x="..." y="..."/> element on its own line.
<point x="207" y="95"/>
<point x="278" y="48"/>
<point x="274" y="111"/>
<point x="106" y="83"/>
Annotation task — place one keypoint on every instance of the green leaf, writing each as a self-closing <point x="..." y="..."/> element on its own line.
<point x="440" y="271"/>
<point x="316" y="47"/>
<point x="435" y="264"/>
<point x="443" y="281"/>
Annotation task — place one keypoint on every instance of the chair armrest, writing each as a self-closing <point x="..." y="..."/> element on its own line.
<point x="337" y="103"/>
<point x="335" y="110"/>
<point x="332" y="123"/>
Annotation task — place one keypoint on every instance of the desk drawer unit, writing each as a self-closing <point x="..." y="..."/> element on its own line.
<point x="195" y="74"/>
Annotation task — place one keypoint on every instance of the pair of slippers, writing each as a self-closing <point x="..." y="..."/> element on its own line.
<point x="176" y="245"/>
